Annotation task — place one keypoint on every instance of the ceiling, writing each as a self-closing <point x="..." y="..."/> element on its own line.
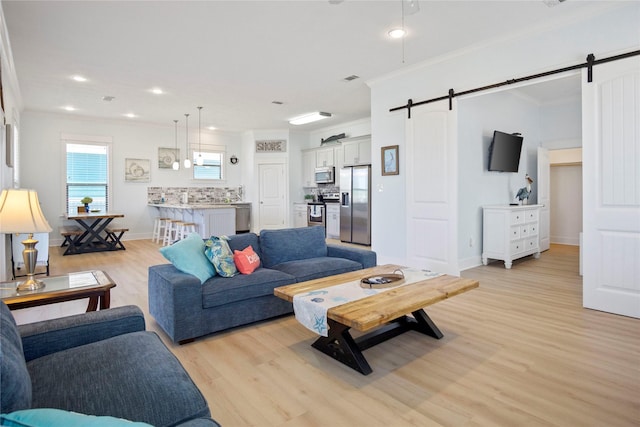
<point x="235" y="58"/>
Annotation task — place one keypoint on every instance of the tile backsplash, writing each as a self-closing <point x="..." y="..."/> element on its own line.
<point x="196" y="195"/>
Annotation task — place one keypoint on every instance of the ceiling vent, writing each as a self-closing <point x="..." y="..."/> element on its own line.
<point x="351" y="77"/>
<point x="108" y="98"/>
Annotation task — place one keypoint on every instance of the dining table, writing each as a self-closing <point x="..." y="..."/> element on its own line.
<point x="93" y="234"/>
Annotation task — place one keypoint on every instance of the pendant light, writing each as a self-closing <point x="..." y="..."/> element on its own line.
<point x="187" y="161"/>
<point x="199" y="160"/>
<point x="176" y="163"/>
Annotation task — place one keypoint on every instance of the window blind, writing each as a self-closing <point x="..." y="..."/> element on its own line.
<point x="87" y="176"/>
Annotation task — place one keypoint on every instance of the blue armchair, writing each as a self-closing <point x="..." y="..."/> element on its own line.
<point x="100" y="363"/>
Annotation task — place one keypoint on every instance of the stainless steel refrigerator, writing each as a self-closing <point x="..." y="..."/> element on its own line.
<point x="355" y="204"/>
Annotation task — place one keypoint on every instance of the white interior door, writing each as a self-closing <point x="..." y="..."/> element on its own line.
<point x="544" y="198"/>
<point x="611" y="188"/>
<point x="272" y="200"/>
<point x="432" y="188"/>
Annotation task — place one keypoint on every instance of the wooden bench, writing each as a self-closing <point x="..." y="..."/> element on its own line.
<point x="114" y="234"/>
<point x="68" y="232"/>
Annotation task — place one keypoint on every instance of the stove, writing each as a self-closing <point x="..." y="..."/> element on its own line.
<point x="331" y="198"/>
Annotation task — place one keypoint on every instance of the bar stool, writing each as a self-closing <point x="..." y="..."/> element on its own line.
<point x="184" y="229"/>
<point x="170" y="231"/>
<point x="159" y="225"/>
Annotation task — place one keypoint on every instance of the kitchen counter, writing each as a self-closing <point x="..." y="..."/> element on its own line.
<point x="215" y="219"/>
<point x="197" y="205"/>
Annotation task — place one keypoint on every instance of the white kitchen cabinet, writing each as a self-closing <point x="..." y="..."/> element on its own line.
<point x="333" y="220"/>
<point x="356" y="151"/>
<point x="325" y="157"/>
<point x="299" y="215"/>
<point x="309" y="168"/>
<point x="215" y="222"/>
<point x="510" y="232"/>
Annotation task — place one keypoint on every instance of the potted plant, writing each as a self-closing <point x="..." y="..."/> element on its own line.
<point x="86" y="200"/>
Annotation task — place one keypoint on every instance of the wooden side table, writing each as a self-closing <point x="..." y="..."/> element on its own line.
<point x="95" y="285"/>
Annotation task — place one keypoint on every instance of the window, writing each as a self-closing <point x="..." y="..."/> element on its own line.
<point x="212" y="167"/>
<point x="87" y="175"/>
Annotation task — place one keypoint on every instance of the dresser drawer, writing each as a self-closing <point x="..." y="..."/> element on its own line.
<point x="531" y="244"/>
<point x="531" y="215"/>
<point x="517" y="217"/>
<point x="517" y="247"/>
<point x="525" y="230"/>
<point x="515" y="233"/>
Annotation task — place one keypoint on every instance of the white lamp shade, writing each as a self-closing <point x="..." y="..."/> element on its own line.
<point x="20" y="212"/>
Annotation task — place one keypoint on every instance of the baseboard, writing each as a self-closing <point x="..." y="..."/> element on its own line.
<point x="471" y="262"/>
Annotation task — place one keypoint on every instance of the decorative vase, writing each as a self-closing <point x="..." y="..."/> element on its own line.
<point x="86" y="207"/>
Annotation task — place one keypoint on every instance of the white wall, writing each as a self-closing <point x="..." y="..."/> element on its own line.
<point x="478" y="117"/>
<point x="42" y="154"/>
<point x="548" y="49"/>
<point x="351" y="129"/>
<point x="12" y="107"/>
<point x="566" y="204"/>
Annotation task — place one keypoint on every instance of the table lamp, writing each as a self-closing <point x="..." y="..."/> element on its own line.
<point x="20" y="213"/>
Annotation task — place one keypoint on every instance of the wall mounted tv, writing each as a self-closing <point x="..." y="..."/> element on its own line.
<point x="504" y="152"/>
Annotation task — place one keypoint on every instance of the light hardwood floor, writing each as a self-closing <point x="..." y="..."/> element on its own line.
<point x="518" y="351"/>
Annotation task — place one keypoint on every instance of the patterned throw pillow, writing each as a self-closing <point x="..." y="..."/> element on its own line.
<point x="218" y="251"/>
<point x="247" y="260"/>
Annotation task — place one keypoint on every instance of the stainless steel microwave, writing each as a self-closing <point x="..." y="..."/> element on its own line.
<point x="324" y="175"/>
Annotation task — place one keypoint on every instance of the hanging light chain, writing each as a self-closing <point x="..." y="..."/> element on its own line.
<point x="199" y="160"/>
<point x="176" y="163"/>
<point x="187" y="161"/>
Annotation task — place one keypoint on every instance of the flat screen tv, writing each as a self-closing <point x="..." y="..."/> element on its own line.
<point x="504" y="152"/>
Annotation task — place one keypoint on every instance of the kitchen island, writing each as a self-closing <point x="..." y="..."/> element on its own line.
<point x="210" y="219"/>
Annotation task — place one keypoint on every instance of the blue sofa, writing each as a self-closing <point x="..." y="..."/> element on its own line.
<point x="187" y="309"/>
<point x="100" y="363"/>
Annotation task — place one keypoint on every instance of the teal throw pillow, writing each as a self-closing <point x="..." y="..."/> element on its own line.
<point x="187" y="255"/>
<point x="48" y="417"/>
<point x="220" y="255"/>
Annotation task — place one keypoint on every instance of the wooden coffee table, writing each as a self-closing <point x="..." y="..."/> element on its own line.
<point x="386" y="313"/>
<point x="95" y="285"/>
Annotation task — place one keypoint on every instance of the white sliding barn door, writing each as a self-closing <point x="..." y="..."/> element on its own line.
<point x="611" y="187"/>
<point x="432" y="188"/>
<point x="544" y="198"/>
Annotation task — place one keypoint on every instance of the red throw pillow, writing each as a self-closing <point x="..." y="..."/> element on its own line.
<point x="246" y="260"/>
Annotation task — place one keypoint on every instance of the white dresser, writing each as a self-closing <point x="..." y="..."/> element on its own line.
<point x="510" y="232"/>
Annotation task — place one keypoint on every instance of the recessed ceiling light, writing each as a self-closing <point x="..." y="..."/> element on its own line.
<point x="351" y="77"/>
<point x="130" y="115"/>
<point x="308" y="118"/>
<point x="79" y="78"/>
<point x="277" y="102"/>
<point x="157" y="91"/>
<point x="397" y="33"/>
<point x="211" y="128"/>
<point x="69" y="108"/>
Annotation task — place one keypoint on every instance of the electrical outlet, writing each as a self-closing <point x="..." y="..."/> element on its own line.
<point x="470" y="242"/>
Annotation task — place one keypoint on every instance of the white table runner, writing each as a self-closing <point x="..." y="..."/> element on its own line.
<point x="311" y="308"/>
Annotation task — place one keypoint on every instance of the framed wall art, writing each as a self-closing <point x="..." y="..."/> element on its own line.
<point x="166" y="157"/>
<point x="137" y="170"/>
<point x="271" y="146"/>
<point x="390" y="165"/>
